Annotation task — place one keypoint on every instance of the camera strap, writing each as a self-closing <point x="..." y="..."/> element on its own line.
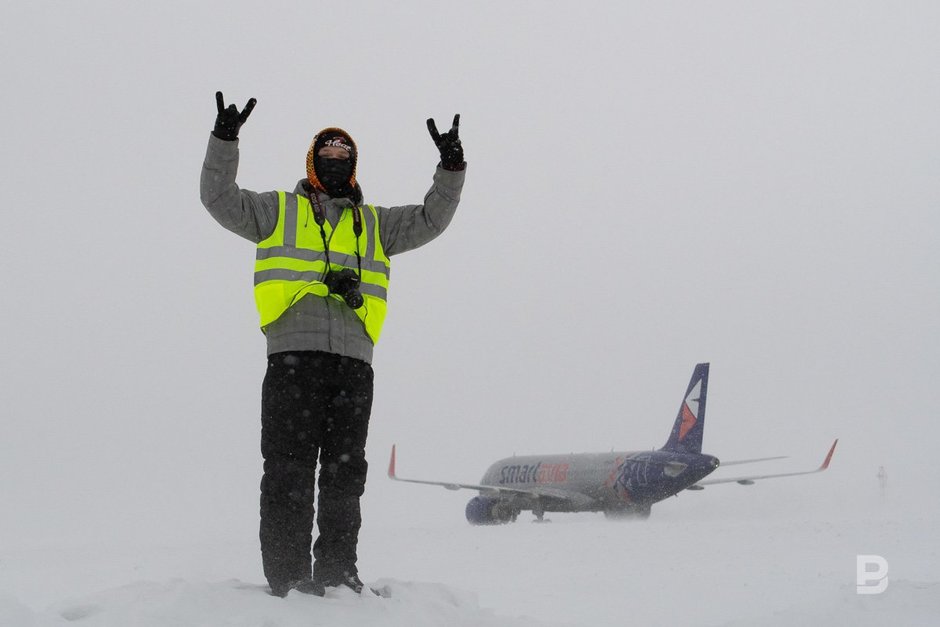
<point x="319" y="216"/>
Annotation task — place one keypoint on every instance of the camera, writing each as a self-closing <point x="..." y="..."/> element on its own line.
<point x="345" y="283"/>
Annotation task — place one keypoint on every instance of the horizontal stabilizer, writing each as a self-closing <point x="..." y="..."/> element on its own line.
<point x="751" y="461"/>
<point x="749" y="480"/>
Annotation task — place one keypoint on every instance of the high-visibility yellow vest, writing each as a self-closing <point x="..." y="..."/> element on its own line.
<point x="291" y="263"/>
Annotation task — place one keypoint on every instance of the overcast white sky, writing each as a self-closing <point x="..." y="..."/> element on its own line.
<point x="650" y="185"/>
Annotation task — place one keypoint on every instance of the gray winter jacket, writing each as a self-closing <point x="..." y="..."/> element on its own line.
<point x="316" y="323"/>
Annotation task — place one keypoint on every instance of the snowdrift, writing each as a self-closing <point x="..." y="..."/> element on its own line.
<point x="235" y="603"/>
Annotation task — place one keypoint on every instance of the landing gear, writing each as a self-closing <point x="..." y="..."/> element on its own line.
<point x="636" y="512"/>
<point x="539" y="512"/>
<point x="504" y="513"/>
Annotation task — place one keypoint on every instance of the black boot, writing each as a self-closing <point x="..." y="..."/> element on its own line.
<point x="350" y="581"/>
<point x="311" y="587"/>
<point x="354" y="583"/>
<point x="307" y="586"/>
<point x="333" y="580"/>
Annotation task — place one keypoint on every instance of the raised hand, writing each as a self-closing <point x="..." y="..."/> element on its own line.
<point x="449" y="145"/>
<point x="230" y="120"/>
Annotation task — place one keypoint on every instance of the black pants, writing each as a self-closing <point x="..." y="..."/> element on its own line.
<point x="313" y="405"/>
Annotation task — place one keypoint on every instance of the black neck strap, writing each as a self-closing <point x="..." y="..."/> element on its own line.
<point x="319" y="216"/>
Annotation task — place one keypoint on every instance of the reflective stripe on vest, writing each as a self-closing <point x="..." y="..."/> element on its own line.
<point x="291" y="263"/>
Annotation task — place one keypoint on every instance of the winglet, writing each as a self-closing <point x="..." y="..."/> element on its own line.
<point x="391" y="464"/>
<point x="832" y="450"/>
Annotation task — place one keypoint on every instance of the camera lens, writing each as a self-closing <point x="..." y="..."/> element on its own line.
<point x="345" y="284"/>
<point x="353" y="298"/>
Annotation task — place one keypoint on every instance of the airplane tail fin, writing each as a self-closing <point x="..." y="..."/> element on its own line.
<point x="687" y="432"/>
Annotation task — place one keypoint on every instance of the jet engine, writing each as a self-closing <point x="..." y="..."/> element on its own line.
<point x="482" y="510"/>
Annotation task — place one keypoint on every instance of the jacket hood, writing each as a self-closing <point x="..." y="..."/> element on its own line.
<point x="304" y="188"/>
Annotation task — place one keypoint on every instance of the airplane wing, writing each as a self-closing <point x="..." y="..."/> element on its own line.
<point x="568" y="496"/>
<point x="750" y="479"/>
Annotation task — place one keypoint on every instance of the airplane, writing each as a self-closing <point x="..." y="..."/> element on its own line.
<point x="619" y="484"/>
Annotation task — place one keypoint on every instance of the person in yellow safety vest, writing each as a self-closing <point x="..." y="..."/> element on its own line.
<point x="321" y="283"/>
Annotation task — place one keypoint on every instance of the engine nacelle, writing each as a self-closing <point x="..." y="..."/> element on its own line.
<point x="482" y="510"/>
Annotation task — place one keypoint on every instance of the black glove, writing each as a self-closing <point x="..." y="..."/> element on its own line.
<point x="229" y="119"/>
<point x="449" y="145"/>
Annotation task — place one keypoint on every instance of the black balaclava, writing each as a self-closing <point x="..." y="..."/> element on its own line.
<point x="336" y="177"/>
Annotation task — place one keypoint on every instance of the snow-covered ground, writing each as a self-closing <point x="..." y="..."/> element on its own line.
<point x="771" y="554"/>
